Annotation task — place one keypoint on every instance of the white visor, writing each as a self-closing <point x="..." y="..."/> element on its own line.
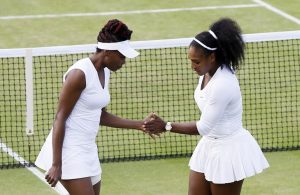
<point x="123" y="47"/>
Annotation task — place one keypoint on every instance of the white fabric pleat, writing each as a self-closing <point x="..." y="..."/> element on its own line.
<point x="228" y="159"/>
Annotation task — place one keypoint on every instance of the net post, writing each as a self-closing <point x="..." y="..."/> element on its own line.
<point x="29" y="92"/>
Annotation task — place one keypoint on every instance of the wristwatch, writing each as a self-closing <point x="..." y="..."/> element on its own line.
<point x="168" y="126"/>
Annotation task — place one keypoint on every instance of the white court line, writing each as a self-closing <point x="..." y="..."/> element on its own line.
<point x="277" y="11"/>
<point x="58" y="188"/>
<point x="127" y="12"/>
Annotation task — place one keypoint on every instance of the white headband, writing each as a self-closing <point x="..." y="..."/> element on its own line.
<point x="213" y="34"/>
<point x="203" y="45"/>
<point x="123" y="47"/>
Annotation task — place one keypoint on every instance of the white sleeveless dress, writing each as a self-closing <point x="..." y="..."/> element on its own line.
<point x="226" y="152"/>
<point x="79" y="152"/>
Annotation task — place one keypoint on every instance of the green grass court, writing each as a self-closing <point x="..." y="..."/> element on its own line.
<point x="83" y="30"/>
<point x="165" y="176"/>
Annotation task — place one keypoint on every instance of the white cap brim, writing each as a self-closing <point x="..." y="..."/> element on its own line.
<point x="123" y="47"/>
<point x="127" y="50"/>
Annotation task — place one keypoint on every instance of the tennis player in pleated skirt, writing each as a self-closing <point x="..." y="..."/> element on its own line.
<point x="227" y="153"/>
<point x="230" y="159"/>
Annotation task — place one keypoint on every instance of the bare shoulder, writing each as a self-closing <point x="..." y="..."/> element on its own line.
<point x="75" y="79"/>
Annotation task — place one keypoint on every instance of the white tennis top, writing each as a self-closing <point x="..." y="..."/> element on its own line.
<point x="79" y="152"/>
<point x="83" y="123"/>
<point x="220" y="103"/>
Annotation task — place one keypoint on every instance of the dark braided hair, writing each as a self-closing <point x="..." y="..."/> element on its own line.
<point x="114" y="31"/>
<point x="230" y="45"/>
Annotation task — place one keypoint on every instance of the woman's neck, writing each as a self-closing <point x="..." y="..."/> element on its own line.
<point x="213" y="70"/>
<point x="97" y="60"/>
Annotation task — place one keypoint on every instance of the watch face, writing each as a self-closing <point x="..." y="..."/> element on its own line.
<point x="168" y="126"/>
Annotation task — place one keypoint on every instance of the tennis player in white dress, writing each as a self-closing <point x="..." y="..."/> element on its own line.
<point x="79" y="152"/>
<point x="70" y="153"/>
<point x="227" y="153"/>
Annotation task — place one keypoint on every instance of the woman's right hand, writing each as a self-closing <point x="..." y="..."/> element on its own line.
<point x="155" y="125"/>
<point x="53" y="175"/>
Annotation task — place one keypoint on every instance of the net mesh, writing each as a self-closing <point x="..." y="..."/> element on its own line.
<point x="159" y="80"/>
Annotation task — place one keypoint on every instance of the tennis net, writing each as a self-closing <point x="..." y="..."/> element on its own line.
<point x="159" y="80"/>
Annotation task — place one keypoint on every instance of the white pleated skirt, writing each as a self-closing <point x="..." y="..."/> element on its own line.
<point x="230" y="159"/>
<point x="78" y="161"/>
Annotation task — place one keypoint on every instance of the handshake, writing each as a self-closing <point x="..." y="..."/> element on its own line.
<point x="153" y="125"/>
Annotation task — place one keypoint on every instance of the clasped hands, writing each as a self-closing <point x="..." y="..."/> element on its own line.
<point x="153" y="125"/>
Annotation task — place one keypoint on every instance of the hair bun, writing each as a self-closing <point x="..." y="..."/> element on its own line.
<point x="114" y="31"/>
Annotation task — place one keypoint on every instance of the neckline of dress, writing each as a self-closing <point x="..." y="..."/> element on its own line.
<point x="96" y="72"/>
<point x="210" y="81"/>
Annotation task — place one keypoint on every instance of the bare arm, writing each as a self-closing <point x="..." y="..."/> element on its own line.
<point x="158" y="125"/>
<point x="110" y="120"/>
<point x="188" y="128"/>
<point x="71" y="90"/>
